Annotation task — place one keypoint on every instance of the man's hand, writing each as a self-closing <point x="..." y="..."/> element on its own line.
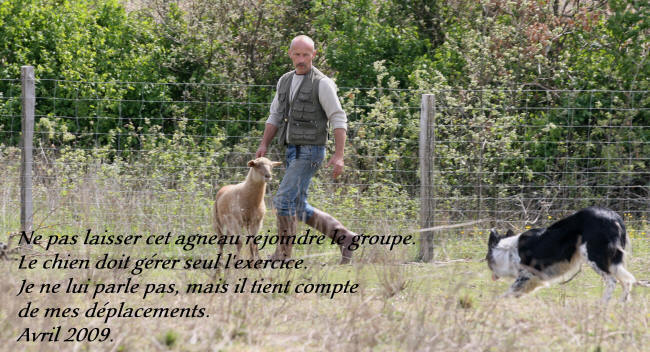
<point x="338" y="164"/>
<point x="261" y="151"/>
<point x="269" y="133"/>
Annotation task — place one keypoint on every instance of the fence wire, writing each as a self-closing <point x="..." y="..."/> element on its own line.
<point x="527" y="157"/>
<point x="144" y="156"/>
<point x="121" y="155"/>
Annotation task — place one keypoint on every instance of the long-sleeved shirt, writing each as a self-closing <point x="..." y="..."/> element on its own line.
<point x="327" y="97"/>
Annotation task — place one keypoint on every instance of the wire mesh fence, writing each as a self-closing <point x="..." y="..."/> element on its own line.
<point x="530" y="156"/>
<point x="146" y="156"/>
<point x="151" y="156"/>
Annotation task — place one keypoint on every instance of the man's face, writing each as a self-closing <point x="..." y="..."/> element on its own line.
<point x="301" y="54"/>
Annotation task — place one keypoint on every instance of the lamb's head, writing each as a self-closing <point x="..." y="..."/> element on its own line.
<point x="261" y="169"/>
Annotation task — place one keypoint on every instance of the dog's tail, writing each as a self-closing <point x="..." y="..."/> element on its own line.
<point x="623" y="241"/>
<point x="642" y="283"/>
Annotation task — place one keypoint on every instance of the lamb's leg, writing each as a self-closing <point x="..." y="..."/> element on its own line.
<point x="252" y="247"/>
<point x="239" y="245"/>
<point x="220" y="240"/>
<point x="223" y="230"/>
<point x="218" y="227"/>
<point x="219" y="233"/>
<point x="253" y="230"/>
<point x="232" y="231"/>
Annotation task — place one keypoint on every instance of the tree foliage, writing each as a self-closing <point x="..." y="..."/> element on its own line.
<point x="223" y="59"/>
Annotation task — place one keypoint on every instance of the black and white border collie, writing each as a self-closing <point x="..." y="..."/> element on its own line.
<point x="540" y="257"/>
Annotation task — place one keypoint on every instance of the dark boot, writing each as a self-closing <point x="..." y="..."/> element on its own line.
<point x="333" y="229"/>
<point x="286" y="229"/>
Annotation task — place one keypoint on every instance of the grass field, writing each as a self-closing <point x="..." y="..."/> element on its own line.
<point x="448" y="305"/>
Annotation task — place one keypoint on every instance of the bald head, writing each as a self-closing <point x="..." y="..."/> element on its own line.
<point x="302" y="53"/>
<point x="302" y="40"/>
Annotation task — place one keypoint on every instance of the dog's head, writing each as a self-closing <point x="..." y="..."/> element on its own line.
<point x="502" y="256"/>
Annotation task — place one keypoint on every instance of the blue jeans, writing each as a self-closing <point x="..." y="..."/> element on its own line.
<point x="302" y="162"/>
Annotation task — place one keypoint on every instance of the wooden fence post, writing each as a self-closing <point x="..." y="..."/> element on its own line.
<point x="27" y="143"/>
<point x="427" y="203"/>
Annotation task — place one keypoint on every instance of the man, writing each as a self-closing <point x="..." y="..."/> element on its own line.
<point x="304" y="105"/>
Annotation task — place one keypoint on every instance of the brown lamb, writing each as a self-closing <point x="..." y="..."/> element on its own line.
<point x="241" y="206"/>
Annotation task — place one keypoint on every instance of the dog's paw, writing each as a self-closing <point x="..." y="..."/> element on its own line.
<point x="510" y="294"/>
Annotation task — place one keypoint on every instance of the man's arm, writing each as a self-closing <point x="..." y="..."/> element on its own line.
<point x="272" y="123"/>
<point x="269" y="132"/>
<point x="338" y="120"/>
<point x="337" y="159"/>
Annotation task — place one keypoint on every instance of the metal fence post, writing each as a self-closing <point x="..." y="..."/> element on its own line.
<point x="427" y="206"/>
<point x="27" y="141"/>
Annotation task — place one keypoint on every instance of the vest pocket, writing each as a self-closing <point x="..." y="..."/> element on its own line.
<point x="304" y="127"/>
<point x="305" y="95"/>
<point x="282" y="103"/>
<point x="306" y="136"/>
<point x="298" y="120"/>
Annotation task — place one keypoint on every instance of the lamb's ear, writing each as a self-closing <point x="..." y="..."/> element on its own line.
<point x="276" y="163"/>
<point x="251" y="163"/>
<point x="510" y="233"/>
<point x="494" y="238"/>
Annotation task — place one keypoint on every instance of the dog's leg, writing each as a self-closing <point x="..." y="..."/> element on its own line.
<point x="524" y="283"/>
<point x="610" y="285"/>
<point x="625" y="278"/>
<point x="610" y="282"/>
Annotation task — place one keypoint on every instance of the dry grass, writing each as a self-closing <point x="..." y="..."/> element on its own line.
<point x="447" y="306"/>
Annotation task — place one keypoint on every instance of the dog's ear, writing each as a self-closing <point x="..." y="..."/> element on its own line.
<point x="494" y="238"/>
<point x="510" y="233"/>
<point x="276" y="163"/>
<point x="251" y="163"/>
